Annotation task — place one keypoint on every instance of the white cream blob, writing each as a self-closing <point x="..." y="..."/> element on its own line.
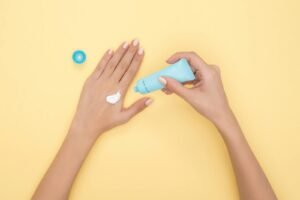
<point x="114" y="98"/>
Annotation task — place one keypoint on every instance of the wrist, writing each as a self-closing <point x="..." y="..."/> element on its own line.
<point x="80" y="138"/>
<point x="227" y="124"/>
<point x="222" y="117"/>
<point x="81" y="128"/>
<point x="80" y="132"/>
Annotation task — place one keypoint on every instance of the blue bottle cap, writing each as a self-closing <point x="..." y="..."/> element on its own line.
<point x="79" y="57"/>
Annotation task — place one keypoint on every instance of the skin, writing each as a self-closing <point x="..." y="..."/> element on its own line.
<point x="94" y="116"/>
<point x="207" y="96"/>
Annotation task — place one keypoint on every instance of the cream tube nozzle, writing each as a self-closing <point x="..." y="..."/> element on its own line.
<point x="180" y="71"/>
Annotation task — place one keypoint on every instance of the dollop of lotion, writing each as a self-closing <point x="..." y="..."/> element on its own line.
<point x="114" y="98"/>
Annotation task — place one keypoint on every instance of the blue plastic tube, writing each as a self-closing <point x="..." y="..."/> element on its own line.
<point x="180" y="71"/>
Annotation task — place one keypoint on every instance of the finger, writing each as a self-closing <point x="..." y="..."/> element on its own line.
<point x="132" y="69"/>
<point x="136" y="108"/>
<point x="190" y="82"/>
<point x="166" y="91"/>
<point x="174" y="86"/>
<point x="102" y="63"/>
<point x="119" y="53"/>
<point x="195" y="61"/>
<point x="126" y="60"/>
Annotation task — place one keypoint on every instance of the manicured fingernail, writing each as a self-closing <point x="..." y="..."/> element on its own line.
<point x="135" y="42"/>
<point x="125" y="45"/>
<point x="162" y="80"/>
<point x="140" y="51"/>
<point x="110" y="51"/>
<point x="148" y="102"/>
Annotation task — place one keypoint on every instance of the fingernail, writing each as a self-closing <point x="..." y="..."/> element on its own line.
<point x="162" y="80"/>
<point x="109" y="51"/>
<point x="140" y="51"/>
<point x="125" y="45"/>
<point x="148" y="102"/>
<point x="135" y="42"/>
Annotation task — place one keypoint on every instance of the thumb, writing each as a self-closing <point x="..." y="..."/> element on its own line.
<point x="136" y="107"/>
<point x="174" y="86"/>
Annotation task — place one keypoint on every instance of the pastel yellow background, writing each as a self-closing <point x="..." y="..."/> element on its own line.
<point x="169" y="152"/>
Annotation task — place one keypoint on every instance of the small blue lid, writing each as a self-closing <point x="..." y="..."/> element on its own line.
<point x="79" y="57"/>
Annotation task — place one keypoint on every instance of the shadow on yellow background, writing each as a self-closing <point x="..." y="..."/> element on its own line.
<point x="168" y="151"/>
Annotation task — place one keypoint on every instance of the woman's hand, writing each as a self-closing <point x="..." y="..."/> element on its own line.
<point x="114" y="73"/>
<point x="94" y="115"/>
<point x="207" y="95"/>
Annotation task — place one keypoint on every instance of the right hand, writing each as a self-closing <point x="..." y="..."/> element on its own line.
<point x="207" y="95"/>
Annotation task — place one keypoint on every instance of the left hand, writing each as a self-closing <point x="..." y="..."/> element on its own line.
<point x="114" y="73"/>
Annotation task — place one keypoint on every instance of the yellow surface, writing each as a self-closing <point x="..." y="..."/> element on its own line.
<point x="168" y="152"/>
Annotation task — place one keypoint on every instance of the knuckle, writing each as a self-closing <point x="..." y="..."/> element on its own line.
<point x="215" y="68"/>
<point x="213" y="74"/>
<point x="140" y="108"/>
<point x="124" y="63"/>
<point x="193" y="53"/>
<point x="134" y="66"/>
<point x="131" y="50"/>
<point x="106" y="56"/>
<point x="105" y="60"/>
<point x="112" y="64"/>
<point x="135" y="62"/>
<point x="136" y="59"/>
<point x="131" y="70"/>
